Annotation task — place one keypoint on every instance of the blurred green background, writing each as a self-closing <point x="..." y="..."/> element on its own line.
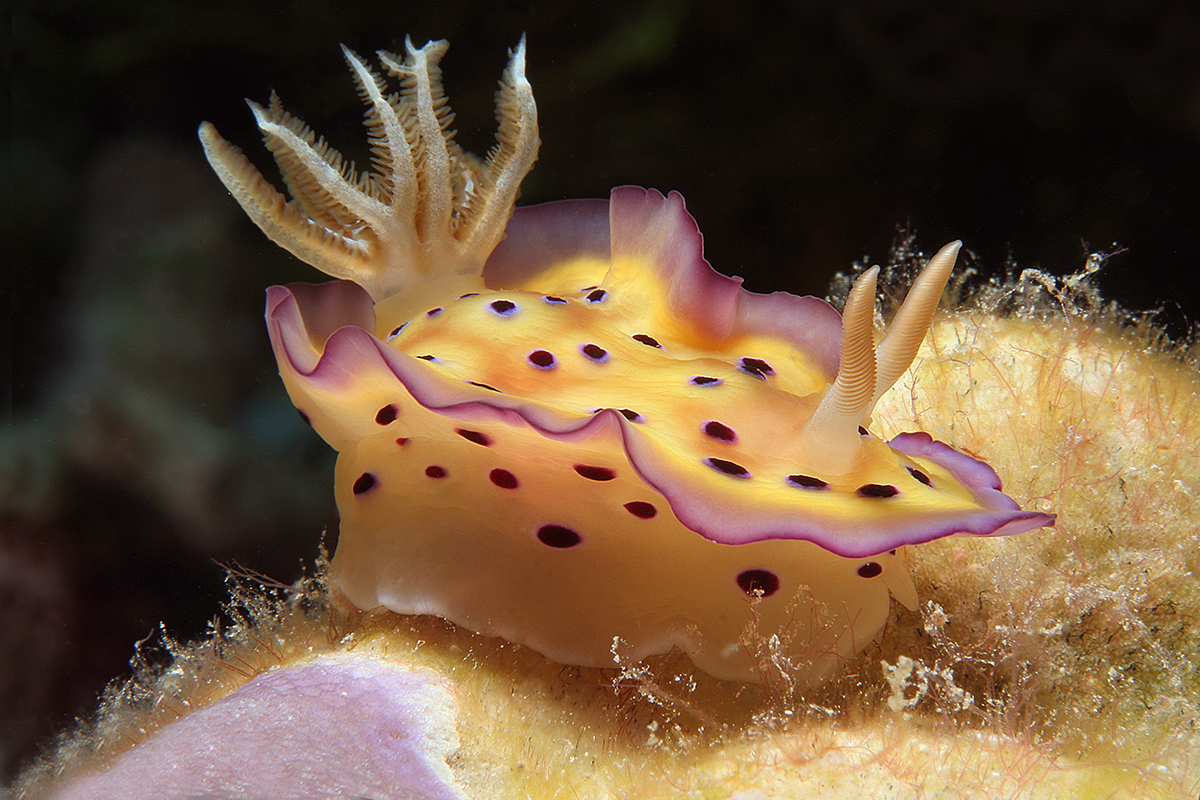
<point x="146" y="434"/>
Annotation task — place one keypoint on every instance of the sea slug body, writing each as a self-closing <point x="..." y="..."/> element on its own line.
<point x="561" y="426"/>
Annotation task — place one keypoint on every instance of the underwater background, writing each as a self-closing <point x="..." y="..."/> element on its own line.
<point x="147" y="439"/>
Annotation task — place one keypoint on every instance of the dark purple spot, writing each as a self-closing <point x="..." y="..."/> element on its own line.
<point x="595" y="473"/>
<point x="429" y="358"/>
<point x="921" y="476"/>
<point x="435" y="472"/>
<point x="647" y="340"/>
<point x="758" y="582"/>
<point x="549" y="298"/>
<point x="558" y="536"/>
<point x="597" y="296"/>
<point x="594" y="351"/>
<point x="756" y="367"/>
<point x="720" y="431"/>
<point x="386" y="415"/>
<point x="468" y="294"/>
<point x="588" y="288"/>
<point x="631" y="415"/>
<point x="364" y="483"/>
<point x="304" y="418"/>
<point x="485" y="386"/>
<point x="877" y="490"/>
<point x="870" y="570"/>
<point x="728" y="467"/>
<point x="433" y="312"/>
<point x="542" y="359"/>
<point x="641" y="510"/>
<point x="806" y="482"/>
<point x="503" y="307"/>
<point x="403" y="440"/>
<point x="504" y="479"/>
<point x="474" y="436"/>
<point x="891" y="552"/>
<point x="863" y="431"/>
<point x="397" y="330"/>
<point x="706" y="380"/>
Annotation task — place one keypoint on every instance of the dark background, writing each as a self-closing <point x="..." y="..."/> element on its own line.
<point x="146" y="434"/>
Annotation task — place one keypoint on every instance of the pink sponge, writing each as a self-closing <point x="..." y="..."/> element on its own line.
<point x="340" y="726"/>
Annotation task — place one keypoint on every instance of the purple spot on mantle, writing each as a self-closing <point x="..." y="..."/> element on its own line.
<point x="503" y="307"/>
<point x="871" y="569"/>
<point x="595" y="473"/>
<point x="920" y="476"/>
<point x="474" y="436"/>
<point x="807" y="482"/>
<point x="542" y="359"/>
<point x="595" y="352"/>
<point x="558" y="536"/>
<point x="728" y="467"/>
<point x="504" y="479"/>
<point x="719" y="430"/>
<point x="756" y="367"/>
<point x="759" y="582"/>
<point x="641" y="509"/>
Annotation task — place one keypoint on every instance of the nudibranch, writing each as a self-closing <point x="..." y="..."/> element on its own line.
<point x="561" y="426"/>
